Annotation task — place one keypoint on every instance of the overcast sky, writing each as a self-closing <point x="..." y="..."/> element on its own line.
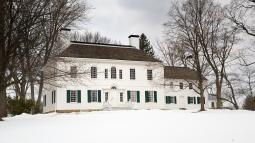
<point x="117" y="19"/>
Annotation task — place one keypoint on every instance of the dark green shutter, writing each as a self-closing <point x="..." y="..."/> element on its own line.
<point x="99" y="95"/>
<point x="68" y="96"/>
<point x="166" y="99"/>
<point x="146" y="96"/>
<point x="128" y="95"/>
<point x="138" y="96"/>
<point x="188" y="100"/>
<point x="79" y="96"/>
<point x="89" y="96"/>
<point x="194" y="98"/>
<point x="175" y="101"/>
<point x="198" y="100"/>
<point x="155" y="96"/>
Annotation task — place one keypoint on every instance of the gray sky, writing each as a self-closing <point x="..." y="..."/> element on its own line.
<point x="117" y="19"/>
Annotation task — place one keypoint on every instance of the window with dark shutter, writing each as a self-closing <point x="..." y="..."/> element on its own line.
<point x="149" y="74"/>
<point x="113" y="72"/>
<point x="93" y="72"/>
<point x="121" y="97"/>
<point x="132" y="73"/>
<point x="106" y="96"/>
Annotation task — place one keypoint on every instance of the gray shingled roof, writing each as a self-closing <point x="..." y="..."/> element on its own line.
<point x="180" y="73"/>
<point x="105" y="51"/>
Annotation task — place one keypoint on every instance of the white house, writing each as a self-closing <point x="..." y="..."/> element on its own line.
<point x="89" y="76"/>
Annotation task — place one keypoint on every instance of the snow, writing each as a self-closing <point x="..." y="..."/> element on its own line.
<point x="133" y="126"/>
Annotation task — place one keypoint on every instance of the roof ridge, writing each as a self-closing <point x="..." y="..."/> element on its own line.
<point x="101" y="44"/>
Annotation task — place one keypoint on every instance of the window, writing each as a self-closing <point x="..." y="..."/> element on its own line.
<point x="171" y="100"/>
<point x="132" y="73"/>
<point x="73" y="71"/>
<point x="93" y="72"/>
<point x="73" y="96"/>
<point x="149" y="74"/>
<point x="212" y="105"/>
<point x="121" y="97"/>
<point x="94" y="96"/>
<point x="133" y="96"/>
<point x="120" y="74"/>
<point x="150" y="96"/>
<point x="191" y="100"/>
<point x="113" y="73"/>
<point x="106" y="73"/>
<point x="106" y="96"/>
<point x="171" y="85"/>
<point x="44" y="100"/>
<point x="53" y="97"/>
<point x="181" y="85"/>
<point x="190" y="86"/>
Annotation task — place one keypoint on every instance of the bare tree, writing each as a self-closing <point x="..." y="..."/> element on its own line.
<point x="183" y="26"/>
<point x="91" y="38"/>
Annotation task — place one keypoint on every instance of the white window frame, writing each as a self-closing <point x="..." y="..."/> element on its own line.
<point x="73" y="96"/>
<point x="94" y="95"/>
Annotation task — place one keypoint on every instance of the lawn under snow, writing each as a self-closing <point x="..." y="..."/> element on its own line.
<point x="139" y="126"/>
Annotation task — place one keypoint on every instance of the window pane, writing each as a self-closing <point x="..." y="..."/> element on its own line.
<point x="73" y="72"/>
<point x="113" y="73"/>
<point x="133" y="96"/>
<point x="132" y="73"/>
<point x="120" y="74"/>
<point x="73" y="96"/>
<point x="93" y="72"/>
<point x="181" y="85"/>
<point x="149" y="74"/>
<point x="106" y="73"/>
<point x="94" y="96"/>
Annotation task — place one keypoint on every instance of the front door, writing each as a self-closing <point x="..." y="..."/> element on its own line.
<point x="113" y="97"/>
<point x="181" y="102"/>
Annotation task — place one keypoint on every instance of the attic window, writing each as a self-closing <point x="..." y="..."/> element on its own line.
<point x="181" y="85"/>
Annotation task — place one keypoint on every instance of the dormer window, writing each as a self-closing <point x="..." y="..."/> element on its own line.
<point x="181" y="85"/>
<point x="190" y="86"/>
<point x="113" y="72"/>
<point x="93" y="72"/>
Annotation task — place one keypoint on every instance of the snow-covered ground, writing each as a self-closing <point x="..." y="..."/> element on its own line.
<point x="140" y="126"/>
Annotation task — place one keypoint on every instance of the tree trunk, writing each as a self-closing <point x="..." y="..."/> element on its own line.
<point x="38" y="102"/>
<point x="218" y="94"/>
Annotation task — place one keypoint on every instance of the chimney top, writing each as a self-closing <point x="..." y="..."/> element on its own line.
<point x="133" y="36"/>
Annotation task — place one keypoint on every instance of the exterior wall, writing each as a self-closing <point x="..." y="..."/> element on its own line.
<point x="84" y="82"/>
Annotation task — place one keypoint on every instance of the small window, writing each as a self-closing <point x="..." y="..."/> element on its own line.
<point x="171" y="85"/>
<point x="181" y="85"/>
<point x="149" y="96"/>
<point x="113" y="73"/>
<point x="212" y="105"/>
<point x="171" y="100"/>
<point x="93" y="72"/>
<point x="121" y="97"/>
<point x="106" y="73"/>
<point x="132" y="73"/>
<point x="73" y="71"/>
<point x="106" y="96"/>
<point x="120" y="74"/>
<point x="190" y="86"/>
<point x="149" y="74"/>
